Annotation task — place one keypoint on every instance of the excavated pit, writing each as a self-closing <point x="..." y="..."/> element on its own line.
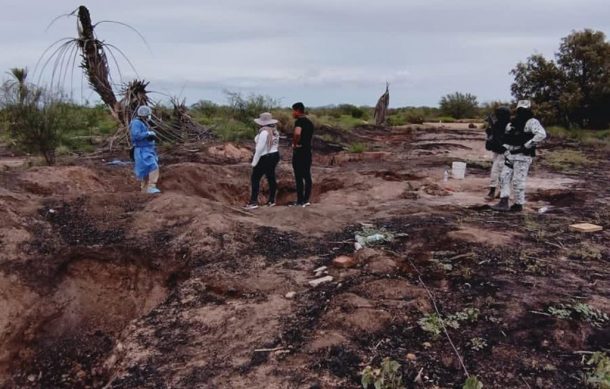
<point x="53" y="335"/>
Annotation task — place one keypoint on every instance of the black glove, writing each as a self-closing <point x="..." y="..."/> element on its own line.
<point x="508" y="163"/>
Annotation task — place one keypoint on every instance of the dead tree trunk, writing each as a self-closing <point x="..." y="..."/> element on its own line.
<point x="95" y="63"/>
<point x="381" y="108"/>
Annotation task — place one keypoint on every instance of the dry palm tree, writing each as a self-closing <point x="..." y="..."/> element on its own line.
<point x="381" y="109"/>
<point x="95" y="57"/>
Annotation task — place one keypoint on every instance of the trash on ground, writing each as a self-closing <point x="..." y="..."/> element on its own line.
<point x="371" y="236"/>
<point x="319" y="281"/>
<point x="586" y="227"/>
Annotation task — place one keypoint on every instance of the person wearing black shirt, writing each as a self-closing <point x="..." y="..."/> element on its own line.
<point x="496" y="129"/>
<point x="301" y="154"/>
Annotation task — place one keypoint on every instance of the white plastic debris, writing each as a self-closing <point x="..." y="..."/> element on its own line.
<point x="370" y="236"/>
<point x="319" y="281"/>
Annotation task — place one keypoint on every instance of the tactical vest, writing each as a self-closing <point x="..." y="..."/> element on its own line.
<point x="517" y="137"/>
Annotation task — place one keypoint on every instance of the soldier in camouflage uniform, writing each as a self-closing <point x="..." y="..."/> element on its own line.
<point x="522" y="136"/>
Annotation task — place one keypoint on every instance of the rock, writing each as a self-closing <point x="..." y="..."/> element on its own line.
<point x="427" y="345"/>
<point x="344" y="261"/>
<point x="319" y="281"/>
<point x="31" y="378"/>
<point x="290" y="295"/>
<point x="320" y="269"/>
<point x="411" y="357"/>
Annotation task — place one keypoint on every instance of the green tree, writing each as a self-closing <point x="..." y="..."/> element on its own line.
<point x="575" y="88"/>
<point x="539" y="80"/>
<point x="459" y="105"/>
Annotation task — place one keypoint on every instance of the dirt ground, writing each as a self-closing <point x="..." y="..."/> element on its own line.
<point x="101" y="286"/>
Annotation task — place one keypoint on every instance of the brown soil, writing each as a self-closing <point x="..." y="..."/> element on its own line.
<point x="101" y="286"/>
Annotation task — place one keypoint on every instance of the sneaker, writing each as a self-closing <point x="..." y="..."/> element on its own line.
<point x="307" y="204"/>
<point x="153" y="191"/>
<point x="270" y="204"/>
<point x="251" y="206"/>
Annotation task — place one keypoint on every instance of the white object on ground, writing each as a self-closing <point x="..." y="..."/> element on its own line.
<point x="320" y="269"/>
<point x="458" y="170"/>
<point x="290" y="295"/>
<point x="319" y="281"/>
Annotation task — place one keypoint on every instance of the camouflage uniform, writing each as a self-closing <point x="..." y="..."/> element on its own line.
<point x="520" y="162"/>
<point x="496" y="169"/>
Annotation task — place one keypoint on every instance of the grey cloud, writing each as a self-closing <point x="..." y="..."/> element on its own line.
<point x="323" y="50"/>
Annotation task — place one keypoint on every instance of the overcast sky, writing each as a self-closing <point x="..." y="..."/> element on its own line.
<point x="321" y="52"/>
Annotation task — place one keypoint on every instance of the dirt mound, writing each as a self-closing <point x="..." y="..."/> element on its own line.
<point x="47" y="181"/>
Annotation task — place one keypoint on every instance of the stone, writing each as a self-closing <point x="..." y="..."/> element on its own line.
<point x="411" y="357"/>
<point x="320" y="269"/>
<point x="427" y="345"/>
<point x="319" y="281"/>
<point x="344" y="261"/>
<point x="290" y="295"/>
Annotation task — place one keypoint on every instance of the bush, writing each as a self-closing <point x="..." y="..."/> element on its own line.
<point x="233" y="130"/>
<point x="246" y="109"/>
<point x="459" y="105"/>
<point x="38" y="126"/>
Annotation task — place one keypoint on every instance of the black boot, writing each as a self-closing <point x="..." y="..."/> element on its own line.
<point x="492" y="193"/>
<point x="516" y="208"/>
<point x="502" y="206"/>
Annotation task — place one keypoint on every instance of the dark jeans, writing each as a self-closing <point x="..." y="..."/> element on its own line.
<point x="301" y="163"/>
<point x="265" y="167"/>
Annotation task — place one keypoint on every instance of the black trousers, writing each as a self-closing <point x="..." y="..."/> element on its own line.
<point x="265" y="167"/>
<point x="301" y="164"/>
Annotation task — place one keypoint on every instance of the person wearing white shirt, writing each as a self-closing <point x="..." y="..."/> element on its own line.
<point x="265" y="160"/>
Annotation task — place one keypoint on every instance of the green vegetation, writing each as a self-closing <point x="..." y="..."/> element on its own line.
<point x="387" y="376"/>
<point x="477" y="344"/>
<point x="567" y="159"/>
<point x="433" y="323"/>
<point x="357" y="148"/>
<point x="586" y="137"/>
<point x="571" y="90"/>
<point x="459" y="105"/>
<point x="599" y="376"/>
<point x="472" y="383"/>
<point x="579" y="311"/>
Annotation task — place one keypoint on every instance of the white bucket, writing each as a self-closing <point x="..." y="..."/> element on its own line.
<point x="458" y="170"/>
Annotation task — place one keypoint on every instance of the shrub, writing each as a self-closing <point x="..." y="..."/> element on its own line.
<point x="459" y="105"/>
<point x="38" y="124"/>
<point x="233" y="130"/>
<point x="357" y="148"/>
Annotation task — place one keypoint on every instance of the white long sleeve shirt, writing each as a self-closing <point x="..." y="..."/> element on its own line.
<point x="262" y="144"/>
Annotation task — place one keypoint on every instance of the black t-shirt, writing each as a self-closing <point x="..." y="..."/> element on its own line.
<point x="306" y="132"/>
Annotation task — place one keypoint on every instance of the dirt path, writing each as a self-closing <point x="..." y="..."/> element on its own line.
<point x="101" y="286"/>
